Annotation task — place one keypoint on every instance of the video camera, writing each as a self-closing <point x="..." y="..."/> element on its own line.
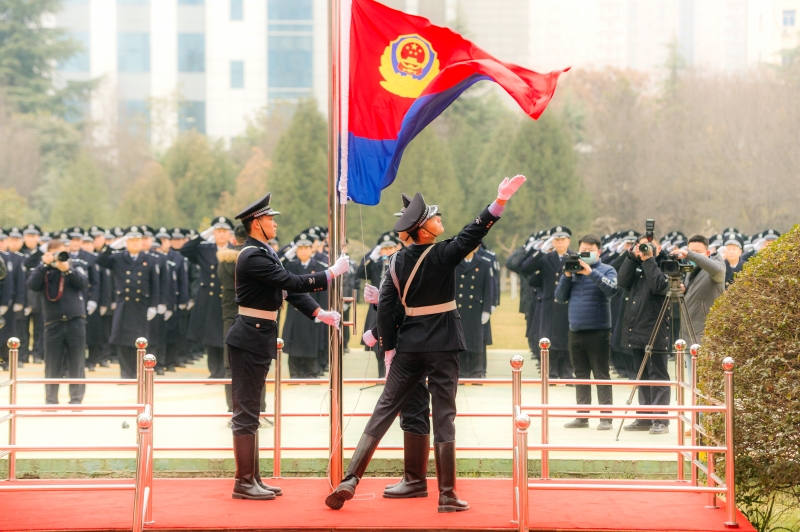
<point x="573" y="264"/>
<point x="674" y="268"/>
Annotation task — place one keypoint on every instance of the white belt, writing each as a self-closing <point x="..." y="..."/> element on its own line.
<point x="255" y="313"/>
<point x="431" y="309"/>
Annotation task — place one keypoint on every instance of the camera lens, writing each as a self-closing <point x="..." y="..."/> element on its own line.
<point x="62" y="256"/>
<point x="644" y="248"/>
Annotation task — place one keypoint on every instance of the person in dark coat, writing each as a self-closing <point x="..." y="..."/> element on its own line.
<point x="475" y="298"/>
<point x="205" y="325"/>
<point x="553" y="318"/>
<point x="647" y="287"/>
<point x="63" y="283"/>
<point x="34" y="321"/>
<point x="177" y="334"/>
<point x="14" y="295"/>
<point x="136" y="286"/>
<point x="305" y="342"/>
<point x="491" y="257"/>
<point x="529" y="290"/>
<point x="15" y="245"/>
<point x="428" y="341"/>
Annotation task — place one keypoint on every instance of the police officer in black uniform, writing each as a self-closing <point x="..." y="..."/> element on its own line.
<point x="136" y="286"/>
<point x="261" y="282"/>
<point x="475" y="298"/>
<point x="63" y="281"/>
<point x="422" y="276"/>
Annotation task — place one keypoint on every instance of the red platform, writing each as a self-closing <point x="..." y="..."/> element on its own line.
<point x="206" y="504"/>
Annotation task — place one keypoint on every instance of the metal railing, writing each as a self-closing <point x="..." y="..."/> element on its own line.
<point x="714" y="484"/>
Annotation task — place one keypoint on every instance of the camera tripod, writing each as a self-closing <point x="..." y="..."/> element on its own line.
<point x="675" y="295"/>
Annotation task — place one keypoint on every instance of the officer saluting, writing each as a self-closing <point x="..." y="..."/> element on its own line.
<point x="422" y="277"/>
<point x="261" y="282"/>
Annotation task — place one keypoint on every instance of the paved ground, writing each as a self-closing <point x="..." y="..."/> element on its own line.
<point x="309" y="431"/>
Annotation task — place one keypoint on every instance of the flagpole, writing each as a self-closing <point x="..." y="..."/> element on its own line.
<point x="336" y="234"/>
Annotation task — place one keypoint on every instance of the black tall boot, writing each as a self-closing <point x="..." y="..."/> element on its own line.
<point x="347" y="488"/>
<point x="257" y="474"/>
<point x="416" y="450"/>
<point x="246" y="486"/>
<point x="445" y="456"/>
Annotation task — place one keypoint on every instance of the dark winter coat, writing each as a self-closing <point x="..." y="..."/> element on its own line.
<point x="303" y="337"/>
<point x="647" y="288"/>
<point x="70" y="303"/>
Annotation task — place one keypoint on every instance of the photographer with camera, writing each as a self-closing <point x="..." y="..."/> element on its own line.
<point x="704" y="284"/>
<point x="647" y="287"/>
<point x="63" y="282"/>
<point x="587" y="286"/>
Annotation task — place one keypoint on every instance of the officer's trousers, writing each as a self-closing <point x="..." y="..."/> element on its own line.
<point x="415" y="416"/>
<point x="303" y="367"/>
<point x="65" y="348"/>
<point x="248" y="373"/>
<point x="37" y="326"/>
<point x="560" y="364"/>
<point x="127" y="361"/>
<point x="654" y="370"/>
<point x="441" y="368"/>
<point x="216" y="366"/>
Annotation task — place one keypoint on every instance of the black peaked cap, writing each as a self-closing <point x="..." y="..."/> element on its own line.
<point x="259" y="208"/>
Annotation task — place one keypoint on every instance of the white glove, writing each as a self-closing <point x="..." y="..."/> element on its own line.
<point x="369" y="339"/>
<point x="119" y="243"/>
<point x="114" y="306"/>
<point x="3" y="309"/>
<point x="509" y="186"/>
<point x="387" y="359"/>
<point x="341" y="266"/>
<point x="151" y="313"/>
<point x="18" y="307"/>
<point x="375" y="253"/>
<point x="493" y="309"/>
<point x="547" y="247"/>
<point x="162" y="308"/>
<point x="530" y="245"/>
<point x="167" y="315"/>
<point x="103" y="310"/>
<point x="291" y="252"/>
<point x="371" y="294"/>
<point x="28" y="310"/>
<point x="485" y="317"/>
<point x="190" y="305"/>
<point x="91" y="306"/>
<point x="328" y="317"/>
<point x="182" y="306"/>
<point x="205" y="235"/>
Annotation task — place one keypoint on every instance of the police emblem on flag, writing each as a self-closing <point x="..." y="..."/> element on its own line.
<point x="408" y="65"/>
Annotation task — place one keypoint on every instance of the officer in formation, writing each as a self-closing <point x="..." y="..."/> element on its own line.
<point x="475" y="298"/>
<point x="429" y="339"/>
<point x="262" y="283"/>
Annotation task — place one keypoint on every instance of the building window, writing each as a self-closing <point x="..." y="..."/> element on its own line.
<point x="290" y="62"/>
<point x="237" y="74"/>
<point x="192" y="115"/>
<point x="79" y="62"/>
<point x="133" y="2"/>
<point x="133" y="52"/>
<point x="191" y="2"/>
<point x="191" y="52"/>
<point x="134" y="117"/>
<point x="788" y="18"/>
<point x="290" y="9"/>
<point x="237" y="10"/>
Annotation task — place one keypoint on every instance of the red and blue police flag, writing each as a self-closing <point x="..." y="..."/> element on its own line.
<point x="404" y="72"/>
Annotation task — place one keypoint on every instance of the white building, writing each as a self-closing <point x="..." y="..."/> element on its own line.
<point x="211" y="64"/>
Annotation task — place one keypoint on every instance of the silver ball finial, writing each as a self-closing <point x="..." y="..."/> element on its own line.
<point x="280" y="343"/>
<point x="149" y="361"/>
<point x="517" y="361"/>
<point x="544" y="343"/>
<point x="144" y="421"/>
<point x="694" y="349"/>
<point x="727" y="363"/>
<point x="13" y="343"/>
<point x="141" y="343"/>
<point x="523" y="421"/>
<point x="680" y="345"/>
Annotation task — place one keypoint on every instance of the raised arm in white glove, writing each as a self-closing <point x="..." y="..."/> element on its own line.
<point x="119" y="243"/>
<point x="387" y="359"/>
<point x="91" y="306"/>
<point x="371" y="294"/>
<point x="375" y="254"/>
<point x="369" y="339"/>
<point x="162" y="308"/>
<point x="291" y="252"/>
<point x="509" y="186"/>
<point x="329" y="317"/>
<point x="547" y="247"/>
<point x="151" y="313"/>
<point x="208" y="233"/>
<point x="485" y="317"/>
<point x="340" y="267"/>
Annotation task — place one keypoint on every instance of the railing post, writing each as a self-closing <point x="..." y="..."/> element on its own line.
<point x="522" y="423"/>
<point x="141" y="351"/>
<point x="680" y="355"/>
<point x="712" y="497"/>
<point x="144" y="421"/>
<point x="276" y="454"/>
<point x="730" y="480"/>
<point x="13" y="360"/>
<point x="544" y="347"/>
<point x="693" y="415"/>
<point x="516" y="400"/>
<point x="149" y="363"/>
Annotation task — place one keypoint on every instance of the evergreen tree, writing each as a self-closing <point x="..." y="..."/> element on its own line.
<point x="150" y="200"/>
<point x="14" y="208"/>
<point x="201" y="172"/>
<point x="29" y="53"/>
<point x="299" y="180"/>
<point x="83" y="196"/>
<point x="251" y="185"/>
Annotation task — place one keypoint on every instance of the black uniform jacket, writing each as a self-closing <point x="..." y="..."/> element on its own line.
<point x="260" y="282"/>
<point x="136" y="285"/>
<point x="205" y="325"/>
<point x="304" y="338"/>
<point x="552" y="318"/>
<point x="67" y="304"/>
<point x="647" y="288"/>
<point x="474" y="296"/>
<point x="434" y="284"/>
